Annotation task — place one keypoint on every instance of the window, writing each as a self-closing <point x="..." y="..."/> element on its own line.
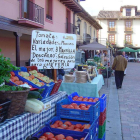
<point x="111" y="24"/>
<point x="49" y="9"/>
<point x="111" y="38"/>
<point x="128" y="24"/>
<point x="128" y="38"/>
<point x="128" y="12"/>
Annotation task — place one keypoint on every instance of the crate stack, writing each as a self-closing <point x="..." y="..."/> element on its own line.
<point x="76" y="117"/>
<point x="102" y="118"/>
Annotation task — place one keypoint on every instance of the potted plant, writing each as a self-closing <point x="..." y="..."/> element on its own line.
<point x="5" y="67"/>
<point x="17" y="95"/>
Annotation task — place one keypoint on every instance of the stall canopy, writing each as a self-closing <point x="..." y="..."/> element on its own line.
<point x="138" y="50"/>
<point x="94" y="46"/>
<point x="126" y="49"/>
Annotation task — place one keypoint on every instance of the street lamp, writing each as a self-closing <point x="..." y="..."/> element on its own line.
<point x="78" y="27"/>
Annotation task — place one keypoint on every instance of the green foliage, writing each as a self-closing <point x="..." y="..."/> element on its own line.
<point x="5" y="67"/>
<point x="97" y="59"/>
<point x="11" y="88"/>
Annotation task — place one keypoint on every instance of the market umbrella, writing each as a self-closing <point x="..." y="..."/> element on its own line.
<point x="138" y="50"/>
<point x="126" y="49"/>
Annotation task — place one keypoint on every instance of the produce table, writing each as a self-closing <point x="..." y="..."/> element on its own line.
<point x="22" y="126"/>
<point x="84" y="89"/>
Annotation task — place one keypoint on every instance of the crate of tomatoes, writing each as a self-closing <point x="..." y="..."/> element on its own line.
<point x="75" y="98"/>
<point x="72" y="126"/>
<point x="47" y="133"/>
<point x="78" y="111"/>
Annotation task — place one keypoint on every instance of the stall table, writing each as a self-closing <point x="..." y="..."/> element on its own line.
<point x="84" y="89"/>
<point x="22" y="126"/>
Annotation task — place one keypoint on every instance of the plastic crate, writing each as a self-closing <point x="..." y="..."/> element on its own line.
<point x="92" y="130"/>
<point x="86" y="115"/>
<point x="56" y="86"/>
<point x="4" y="106"/>
<point x="47" y="88"/>
<point x="102" y="117"/>
<point x="102" y="100"/>
<point x="102" y="129"/>
<point x="103" y="138"/>
<point x="39" y="133"/>
<point x="29" y="68"/>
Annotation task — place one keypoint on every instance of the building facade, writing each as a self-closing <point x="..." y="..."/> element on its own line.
<point x="121" y="28"/>
<point x="23" y="16"/>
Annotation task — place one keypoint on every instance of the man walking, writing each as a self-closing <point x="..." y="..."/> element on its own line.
<point x="125" y="56"/>
<point x="119" y="65"/>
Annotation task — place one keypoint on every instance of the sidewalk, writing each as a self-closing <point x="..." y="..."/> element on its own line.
<point x="123" y="106"/>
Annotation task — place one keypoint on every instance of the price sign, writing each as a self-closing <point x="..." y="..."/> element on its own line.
<point x="50" y="50"/>
<point x="47" y="106"/>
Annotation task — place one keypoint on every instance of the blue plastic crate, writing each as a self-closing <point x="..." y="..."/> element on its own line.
<point x="103" y="138"/>
<point x="86" y="115"/>
<point x="39" y="133"/>
<point x="92" y="130"/>
<point x="102" y="100"/>
<point x="47" y="88"/>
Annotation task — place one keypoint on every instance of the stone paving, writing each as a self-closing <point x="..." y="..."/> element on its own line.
<point x="124" y="122"/>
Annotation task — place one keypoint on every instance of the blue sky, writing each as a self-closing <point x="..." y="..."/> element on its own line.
<point x="94" y="6"/>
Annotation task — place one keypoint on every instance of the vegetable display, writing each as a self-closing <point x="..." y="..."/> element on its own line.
<point x="34" y="94"/>
<point x="76" y="106"/>
<point x="31" y="78"/>
<point x="34" y="106"/>
<point x="11" y="88"/>
<point x="76" y="98"/>
<point x="41" y="76"/>
<point x="51" y="136"/>
<point x="69" y="126"/>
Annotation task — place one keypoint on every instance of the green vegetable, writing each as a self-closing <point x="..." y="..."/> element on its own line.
<point x="41" y="90"/>
<point x="34" y="94"/>
<point x="11" y="88"/>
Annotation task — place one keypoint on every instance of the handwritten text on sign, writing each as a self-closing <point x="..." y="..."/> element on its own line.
<point x="50" y="50"/>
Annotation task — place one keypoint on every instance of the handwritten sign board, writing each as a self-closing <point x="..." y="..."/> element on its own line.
<point x="50" y="50"/>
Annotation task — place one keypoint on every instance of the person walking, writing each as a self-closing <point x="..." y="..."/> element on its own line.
<point x="125" y="56"/>
<point x="119" y="65"/>
<point x="61" y="73"/>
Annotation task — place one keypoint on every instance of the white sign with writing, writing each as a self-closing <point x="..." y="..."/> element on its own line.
<point x="47" y="106"/>
<point x="50" y="50"/>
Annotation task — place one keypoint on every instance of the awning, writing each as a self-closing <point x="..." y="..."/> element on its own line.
<point x="94" y="46"/>
<point x="72" y="4"/>
<point x="126" y="49"/>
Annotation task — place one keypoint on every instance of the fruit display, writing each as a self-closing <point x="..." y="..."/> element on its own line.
<point x="41" y="76"/>
<point x="101" y="67"/>
<point x="77" y="98"/>
<point x="51" y="136"/>
<point x="69" y="126"/>
<point x="31" y="78"/>
<point x="76" y="106"/>
<point x="16" y="80"/>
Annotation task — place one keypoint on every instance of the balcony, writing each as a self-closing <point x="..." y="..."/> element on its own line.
<point x="111" y="30"/>
<point x="70" y="28"/>
<point x="113" y="44"/>
<point x="31" y="15"/>
<point x="128" y="30"/>
<point x="128" y="44"/>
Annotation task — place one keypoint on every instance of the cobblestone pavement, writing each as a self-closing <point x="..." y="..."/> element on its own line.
<point x="128" y="99"/>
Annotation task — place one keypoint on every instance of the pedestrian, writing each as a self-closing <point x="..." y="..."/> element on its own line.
<point x="119" y="65"/>
<point x="124" y="55"/>
<point x="61" y="73"/>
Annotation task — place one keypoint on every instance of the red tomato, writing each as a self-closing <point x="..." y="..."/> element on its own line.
<point x="68" y="123"/>
<point x="77" y="107"/>
<point x="64" y="126"/>
<point x="82" y="105"/>
<point x="59" y="123"/>
<point x="64" y="106"/>
<point x="52" y="139"/>
<point x="70" y="106"/>
<point x="55" y="125"/>
<point x="52" y="126"/>
<point x="78" y="126"/>
<point x="79" y="99"/>
<point x="85" y="99"/>
<point x="41" y="139"/>
<point x="12" y="73"/>
<point x="82" y="138"/>
<point x="84" y="108"/>
<point x="59" y="128"/>
<point x="69" y="138"/>
<point x="86" y="126"/>
<point x="60" y="137"/>
<point x="74" y="104"/>
<point x="48" y="135"/>
<point x="88" y="106"/>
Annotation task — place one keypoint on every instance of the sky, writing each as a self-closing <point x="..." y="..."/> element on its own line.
<point x="94" y="6"/>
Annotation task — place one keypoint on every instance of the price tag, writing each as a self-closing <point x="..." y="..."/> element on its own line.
<point x="47" y="106"/>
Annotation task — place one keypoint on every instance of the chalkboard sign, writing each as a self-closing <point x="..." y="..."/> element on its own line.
<point x="50" y="50"/>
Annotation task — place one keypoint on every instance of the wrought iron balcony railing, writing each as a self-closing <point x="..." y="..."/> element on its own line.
<point x="128" y="44"/>
<point x="70" y="28"/>
<point x="32" y="12"/>
<point x="111" y="29"/>
<point x="128" y="29"/>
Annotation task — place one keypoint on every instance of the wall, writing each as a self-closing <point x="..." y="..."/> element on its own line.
<point x="9" y="9"/>
<point x="132" y="11"/>
<point x="59" y="16"/>
<point x="7" y="43"/>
